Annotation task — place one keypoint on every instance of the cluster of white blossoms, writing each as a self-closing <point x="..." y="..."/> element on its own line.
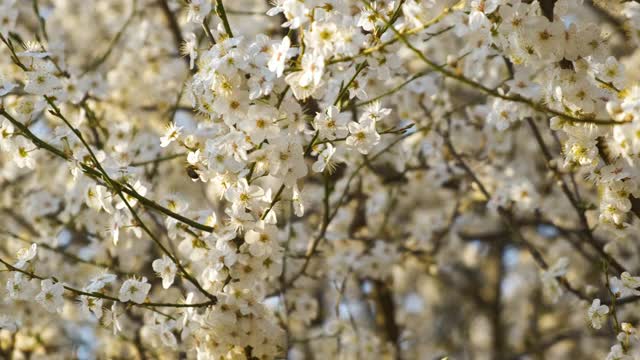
<point x="319" y="179"/>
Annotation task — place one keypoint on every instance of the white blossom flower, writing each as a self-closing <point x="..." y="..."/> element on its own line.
<point x="198" y="10"/>
<point x="332" y="124"/>
<point x="42" y="82"/>
<point x="50" y="296"/>
<point x="171" y="134"/>
<point x="114" y="319"/>
<point x="502" y="115"/>
<point x="367" y="20"/>
<point x="298" y="203"/>
<point x="375" y="111"/>
<point x="130" y="199"/>
<point x="550" y="278"/>
<point x="190" y="48"/>
<point x="24" y="154"/>
<point x="626" y="285"/>
<point x="91" y="306"/>
<point x="5" y="85"/>
<point x="279" y="56"/>
<point x="134" y="290"/>
<point x="611" y="72"/>
<point x="33" y="50"/>
<point x="324" y="159"/>
<point x="6" y="133"/>
<point x="617" y="352"/>
<point x="8" y="16"/>
<point x="19" y="288"/>
<point x="164" y="330"/>
<point x="597" y="314"/>
<point x="25" y="255"/>
<point x="166" y="269"/>
<point x="363" y="135"/>
<point x="295" y="12"/>
<point x="244" y="195"/>
<point x="312" y="69"/>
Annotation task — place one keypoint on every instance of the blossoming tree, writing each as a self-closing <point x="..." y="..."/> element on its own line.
<point x="319" y="179"/>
